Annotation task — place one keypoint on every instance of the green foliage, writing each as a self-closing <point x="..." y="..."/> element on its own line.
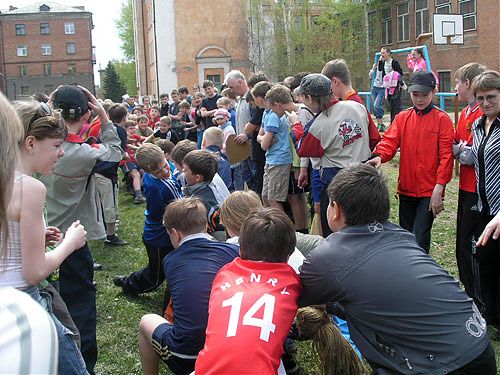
<point x="308" y="34"/>
<point x="126" y="72"/>
<point x="113" y="87"/>
<point x="125" y="26"/>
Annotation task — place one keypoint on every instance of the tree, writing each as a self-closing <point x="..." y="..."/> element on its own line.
<point x="113" y="87"/>
<point x="126" y="72"/>
<point x="125" y="26"/>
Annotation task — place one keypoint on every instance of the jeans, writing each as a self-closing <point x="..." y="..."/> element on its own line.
<point x="199" y="138"/>
<point x="415" y="217"/>
<point x="70" y="359"/>
<point x="238" y="177"/>
<point x="378" y="97"/>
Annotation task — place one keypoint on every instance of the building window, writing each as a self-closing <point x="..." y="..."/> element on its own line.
<point x="403" y="21"/>
<point x="468" y="9"/>
<point x="314" y="21"/>
<point x="71" y="68"/>
<point x="69" y="28"/>
<point x="46" y="49"/>
<point x="443" y="6"/>
<point x="297" y="23"/>
<point x="44" y="29"/>
<point x="70" y="48"/>
<point x="20" y="29"/>
<point x="48" y="89"/>
<point x="23" y="70"/>
<point x="386" y="26"/>
<point x="22" y="50"/>
<point x="47" y="69"/>
<point x="444" y="81"/>
<point x="421" y="17"/>
<point x="24" y="91"/>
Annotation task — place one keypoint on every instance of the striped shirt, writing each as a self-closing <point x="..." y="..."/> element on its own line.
<point x="486" y="155"/>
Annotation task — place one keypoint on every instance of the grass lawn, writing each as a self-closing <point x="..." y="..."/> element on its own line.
<point x="118" y="315"/>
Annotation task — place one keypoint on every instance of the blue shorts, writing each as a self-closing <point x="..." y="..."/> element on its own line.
<point x="128" y="166"/>
<point x="177" y="362"/>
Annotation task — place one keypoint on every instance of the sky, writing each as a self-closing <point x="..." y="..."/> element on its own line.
<point x="104" y="36"/>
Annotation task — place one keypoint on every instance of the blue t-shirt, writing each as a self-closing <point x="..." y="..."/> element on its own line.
<point x="189" y="272"/>
<point x="159" y="193"/>
<point x="279" y="153"/>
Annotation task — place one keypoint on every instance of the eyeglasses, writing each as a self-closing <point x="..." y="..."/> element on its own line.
<point x="489" y="98"/>
<point x="46" y="112"/>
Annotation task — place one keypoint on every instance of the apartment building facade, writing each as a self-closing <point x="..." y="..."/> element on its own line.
<point x="45" y="45"/>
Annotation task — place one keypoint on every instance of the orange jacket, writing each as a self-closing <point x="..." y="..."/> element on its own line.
<point x="425" y="140"/>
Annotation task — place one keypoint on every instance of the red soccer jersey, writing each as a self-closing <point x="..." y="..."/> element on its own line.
<point x="251" y="310"/>
<point x="463" y="132"/>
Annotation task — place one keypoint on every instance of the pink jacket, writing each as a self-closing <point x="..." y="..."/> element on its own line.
<point x="390" y="82"/>
<point x="417" y="65"/>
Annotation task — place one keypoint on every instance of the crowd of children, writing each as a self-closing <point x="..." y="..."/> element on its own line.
<point x="231" y="239"/>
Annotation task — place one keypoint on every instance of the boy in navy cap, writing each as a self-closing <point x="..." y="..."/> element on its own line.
<point x="71" y="196"/>
<point x="424" y="135"/>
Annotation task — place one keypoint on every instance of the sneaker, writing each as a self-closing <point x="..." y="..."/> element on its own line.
<point x="139" y="199"/>
<point x="97" y="266"/>
<point x="114" y="240"/>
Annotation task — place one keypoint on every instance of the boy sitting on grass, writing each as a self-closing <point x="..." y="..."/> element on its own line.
<point x="160" y="191"/>
<point x="253" y="300"/>
<point x="197" y="259"/>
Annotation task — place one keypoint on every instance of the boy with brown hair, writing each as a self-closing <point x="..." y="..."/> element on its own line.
<point x="238" y="338"/>
<point x="177" y="343"/>
<point x="160" y="190"/>
<point x="274" y="139"/>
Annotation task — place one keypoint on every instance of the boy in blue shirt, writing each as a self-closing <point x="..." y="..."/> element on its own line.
<point x="275" y="140"/>
<point x="190" y="271"/>
<point x="160" y="190"/>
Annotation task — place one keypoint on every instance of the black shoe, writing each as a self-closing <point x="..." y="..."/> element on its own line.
<point x="97" y="266"/>
<point x="119" y="281"/>
<point x="114" y="240"/>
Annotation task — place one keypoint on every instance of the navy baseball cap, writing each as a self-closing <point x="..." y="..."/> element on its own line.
<point x="423" y="82"/>
<point x="315" y="85"/>
<point x="72" y="100"/>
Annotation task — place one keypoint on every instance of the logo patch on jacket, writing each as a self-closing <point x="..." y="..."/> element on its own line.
<point x="349" y="131"/>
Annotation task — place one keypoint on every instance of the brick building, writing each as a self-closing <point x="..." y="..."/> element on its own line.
<point x="403" y="21"/>
<point x="186" y="42"/>
<point x="45" y="45"/>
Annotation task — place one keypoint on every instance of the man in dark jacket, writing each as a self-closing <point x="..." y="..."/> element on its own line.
<point x="406" y="314"/>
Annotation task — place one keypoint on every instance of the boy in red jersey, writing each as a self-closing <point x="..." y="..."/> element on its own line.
<point x="253" y="300"/>
<point x="467" y="218"/>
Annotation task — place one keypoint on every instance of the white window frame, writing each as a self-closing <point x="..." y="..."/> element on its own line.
<point x="405" y="19"/>
<point x="442" y="5"/>
<point x="419" y="19"/>
<point x="69" y="28"/>
<point x="46" y="49"/>
<point x="467" y="15"/>
<point x="23" y="70"/>
<point x="22" y="50"/>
